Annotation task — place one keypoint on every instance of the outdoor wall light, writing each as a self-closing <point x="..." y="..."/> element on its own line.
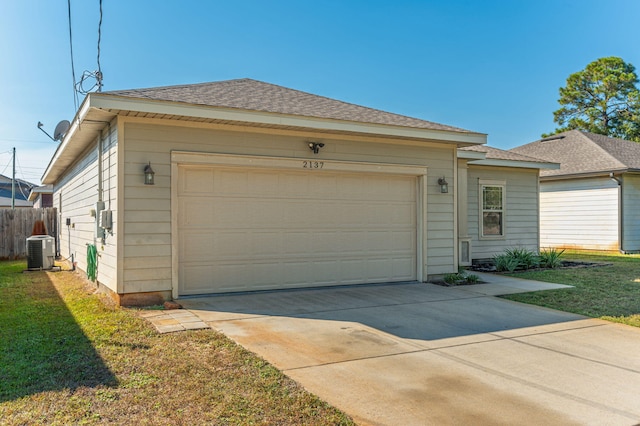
<point x="444" y="185"/>
<point x="315" y="146"/>
<point x="148" y="174"/>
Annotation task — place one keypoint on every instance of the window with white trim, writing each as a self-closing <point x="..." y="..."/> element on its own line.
<point x="492" y="208"/>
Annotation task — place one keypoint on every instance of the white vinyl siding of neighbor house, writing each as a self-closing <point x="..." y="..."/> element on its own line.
<point x="520" y="211"/>
<point x="75" y="196"/>
<point x="579" y="213"/>
<point x="147" y="215"/>
<point x="631" y="212"/>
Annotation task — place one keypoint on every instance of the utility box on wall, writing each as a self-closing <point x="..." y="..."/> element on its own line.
<point x="105" y="221"/>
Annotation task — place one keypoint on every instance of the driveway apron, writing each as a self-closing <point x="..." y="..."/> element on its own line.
<point x="417" y="354"/>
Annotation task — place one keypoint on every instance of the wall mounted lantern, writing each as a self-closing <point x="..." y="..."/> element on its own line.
<point x="148" y="174"/>
<point x="444" y="185"/>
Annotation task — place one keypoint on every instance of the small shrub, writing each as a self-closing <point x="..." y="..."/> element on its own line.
<point x="461" y="278"/>
<point x="550" y="258"/>
<point x="526" y="259"/>
<point x="452" y="279"/>
<point x="472" y="279"/>
<point x="505" y="263"/>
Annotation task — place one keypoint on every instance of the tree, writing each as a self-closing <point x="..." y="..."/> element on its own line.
<point x="602" y="98"/>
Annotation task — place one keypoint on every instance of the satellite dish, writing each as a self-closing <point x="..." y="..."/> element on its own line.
<point x="61" y="130"/>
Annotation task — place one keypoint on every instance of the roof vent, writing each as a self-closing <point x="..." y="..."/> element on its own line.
<point x="552" y="138"/>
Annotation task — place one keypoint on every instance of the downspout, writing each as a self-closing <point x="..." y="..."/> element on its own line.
<point x="620" y="213"/>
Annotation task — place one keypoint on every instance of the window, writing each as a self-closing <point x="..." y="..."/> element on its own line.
<point x="492" y="208"/>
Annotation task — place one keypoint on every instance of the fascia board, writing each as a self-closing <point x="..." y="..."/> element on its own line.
<point x="516" y="164"/>
<point x="111" y="102"/>
<point x="75" y="125"/>
<point x="602" y="173"/>
<point x="471" y="155"/>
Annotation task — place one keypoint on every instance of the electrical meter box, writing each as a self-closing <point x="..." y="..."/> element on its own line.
<point x="105" y="221"/>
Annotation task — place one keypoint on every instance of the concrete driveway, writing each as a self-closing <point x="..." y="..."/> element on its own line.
<point x="416" y="354"/>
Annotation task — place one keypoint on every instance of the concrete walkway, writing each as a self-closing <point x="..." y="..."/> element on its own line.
<point x="417" y="354"/>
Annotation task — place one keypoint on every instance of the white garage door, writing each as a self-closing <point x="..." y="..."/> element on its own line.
<point x="246" y="229"/>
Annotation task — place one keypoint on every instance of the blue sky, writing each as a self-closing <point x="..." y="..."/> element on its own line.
<point x="488" y="66"/>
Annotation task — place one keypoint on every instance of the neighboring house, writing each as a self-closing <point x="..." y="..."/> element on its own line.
<point x="256" y="187"/>
<point x="22" y="189"/>
<point x="501" y="208"/>
<point x="593" y="201"/>
<point x="41" y="196"/>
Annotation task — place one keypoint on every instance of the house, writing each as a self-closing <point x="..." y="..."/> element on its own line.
<point x="593" y="201"/>
<point x="41" y="196"/>
<point x="242" y="185"/>
<point x="20" y="197"/>
<point x="498" y="205"/>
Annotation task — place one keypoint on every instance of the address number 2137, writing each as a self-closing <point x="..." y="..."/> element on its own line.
<point x="312" y="164"/>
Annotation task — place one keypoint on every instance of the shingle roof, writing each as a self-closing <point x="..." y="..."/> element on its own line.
<point x="253" y="95"/>
<point x="581" y="152"/>
<point x="500" y="154"/>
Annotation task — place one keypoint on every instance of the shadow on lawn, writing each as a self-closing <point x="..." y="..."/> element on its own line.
<point x="42" y="348"/>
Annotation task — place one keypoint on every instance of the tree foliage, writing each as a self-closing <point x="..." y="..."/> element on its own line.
<point x="602" y="98"/>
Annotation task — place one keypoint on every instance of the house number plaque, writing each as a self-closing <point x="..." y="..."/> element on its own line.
<point x="312" y="164"/>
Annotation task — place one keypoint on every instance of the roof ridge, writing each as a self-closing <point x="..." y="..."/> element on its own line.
<point x="357" y="105"/>
<point x="593" y="142"/>
<point x="357" y="110"/>
<point x="176" y="86"/>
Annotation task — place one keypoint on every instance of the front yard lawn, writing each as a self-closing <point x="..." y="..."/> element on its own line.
<point x="68" y="356"/>
<point x="607" y="292"/>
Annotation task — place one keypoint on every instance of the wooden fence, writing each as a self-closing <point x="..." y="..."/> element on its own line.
<point x="16" y="226"/>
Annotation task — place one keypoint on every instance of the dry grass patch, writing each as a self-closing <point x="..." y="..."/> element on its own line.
<point x="67" y="356"/>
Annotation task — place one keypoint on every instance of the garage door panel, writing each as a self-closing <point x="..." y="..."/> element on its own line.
<point x="228" y="213"/>
<point x="239" y="233"/>
<point x="229" y="181"/>
<point x="232" y="245"/>
<point x="265" y="184"/>
<point x="197" y="212"/>
<point x="379" y="270"/>
<point x="196" y="181"/>
<point x="295" y="273"/>
<point x="267" y="243"/>
<point x="401" y="266"/>
<point x="196" y="246"/>
<point x="296" y="242"/>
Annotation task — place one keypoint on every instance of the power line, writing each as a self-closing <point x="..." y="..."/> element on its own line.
<point x="99" y="72"/>
<point x="92" y="75"/>
<point x="79" y="85"/>
<point x="73" y="69"/>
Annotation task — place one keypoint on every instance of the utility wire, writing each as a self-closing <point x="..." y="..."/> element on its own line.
<point x="73" y="69"/>
<point x="99" y="72"/>
<point x="79" y="86"/>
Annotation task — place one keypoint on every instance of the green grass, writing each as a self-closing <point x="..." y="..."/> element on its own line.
<point x="68" y="356"/>
<point x="608" y="292"/>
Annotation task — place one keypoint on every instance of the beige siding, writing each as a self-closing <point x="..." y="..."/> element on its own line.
<point x="76" y="194"/>
<point x="147" y="215"/>
<point x="521" y="214"/>
<point x="579" y="213"/>
<point x="631" y="213"/>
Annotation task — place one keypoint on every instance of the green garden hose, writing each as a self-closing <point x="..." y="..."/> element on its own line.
<point x="92" y="261"/>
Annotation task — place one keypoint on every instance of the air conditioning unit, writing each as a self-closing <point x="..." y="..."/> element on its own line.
<point x="40" y="252"/>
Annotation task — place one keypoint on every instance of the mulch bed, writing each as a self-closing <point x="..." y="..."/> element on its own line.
<point x="566" y="264"/>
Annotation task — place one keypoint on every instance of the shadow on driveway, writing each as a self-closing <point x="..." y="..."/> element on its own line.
<point x="406" y="310"/>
